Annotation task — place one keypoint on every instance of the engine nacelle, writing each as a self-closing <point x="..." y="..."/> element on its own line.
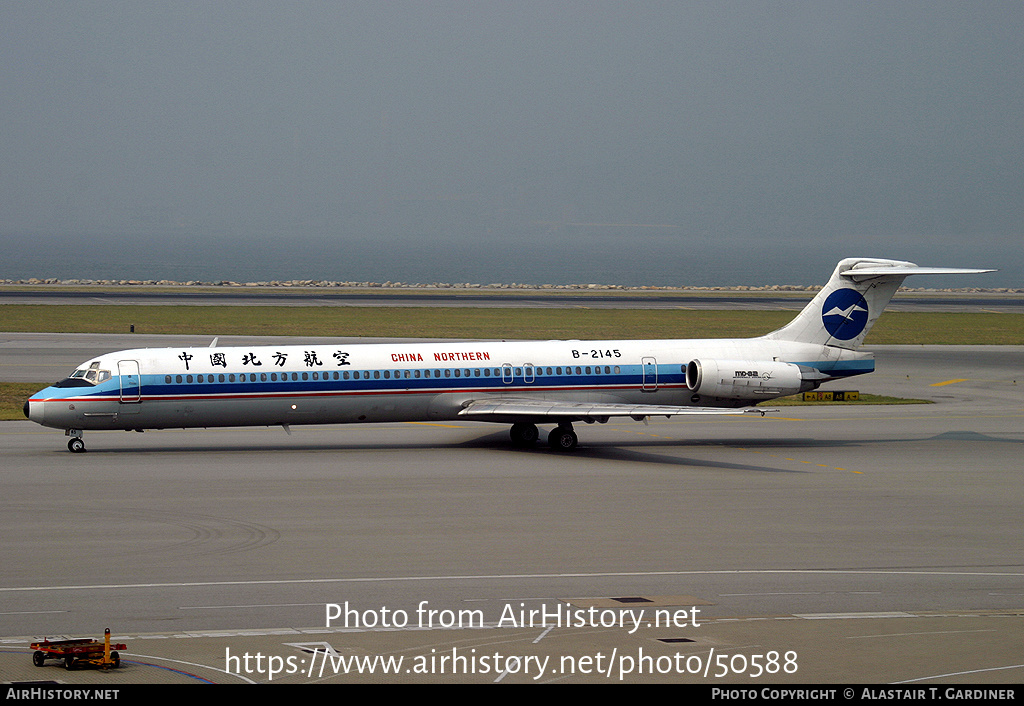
<point x="748" y="379"/>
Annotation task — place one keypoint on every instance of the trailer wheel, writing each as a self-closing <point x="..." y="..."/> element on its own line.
<point x="39" y="658"/>
<point x="69" y="663"/>
<point x="116" y="659"/>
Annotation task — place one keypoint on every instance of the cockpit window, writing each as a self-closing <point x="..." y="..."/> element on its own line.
<point x="83" y="377"/>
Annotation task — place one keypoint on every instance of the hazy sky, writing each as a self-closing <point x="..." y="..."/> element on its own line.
<point x="666" y="142"/>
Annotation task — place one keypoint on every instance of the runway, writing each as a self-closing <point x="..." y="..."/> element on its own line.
<point x="825" y="544"/>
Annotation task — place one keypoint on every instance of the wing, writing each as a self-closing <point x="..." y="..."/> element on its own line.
<point x="513" y="407"/>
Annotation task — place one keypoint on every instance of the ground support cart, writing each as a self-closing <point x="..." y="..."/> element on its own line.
<point x="79" y="653"/>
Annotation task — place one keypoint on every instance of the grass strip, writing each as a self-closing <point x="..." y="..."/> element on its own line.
<point x="951" y="328"/>
<point x="13" y="396"/>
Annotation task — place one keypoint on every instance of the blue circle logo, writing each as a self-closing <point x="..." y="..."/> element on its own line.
<point x="844" y="314"/>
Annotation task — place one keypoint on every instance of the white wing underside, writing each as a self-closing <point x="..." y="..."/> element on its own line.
<point x="584" y="410"/>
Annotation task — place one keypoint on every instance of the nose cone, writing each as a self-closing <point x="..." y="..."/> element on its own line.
<point x="34" y="405"/>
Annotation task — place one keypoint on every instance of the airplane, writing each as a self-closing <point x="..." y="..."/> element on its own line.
<point x="518" y="383"/>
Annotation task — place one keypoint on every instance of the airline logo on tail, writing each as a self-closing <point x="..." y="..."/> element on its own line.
<point x="844" y="314"/>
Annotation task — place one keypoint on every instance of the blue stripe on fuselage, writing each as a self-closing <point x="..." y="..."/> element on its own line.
<point x="156" y="386"/>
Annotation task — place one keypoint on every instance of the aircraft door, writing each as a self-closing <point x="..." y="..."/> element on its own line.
<point x="650" y="374"/>
<point x="131" y="381"/>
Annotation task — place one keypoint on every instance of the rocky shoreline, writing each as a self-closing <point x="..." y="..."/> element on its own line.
<point x="330" y="284"/>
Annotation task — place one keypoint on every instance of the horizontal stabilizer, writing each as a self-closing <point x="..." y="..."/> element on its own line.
<point x="903" y="270"/>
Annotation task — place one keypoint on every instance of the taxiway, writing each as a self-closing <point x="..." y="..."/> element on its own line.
<point x="875" y="544"/>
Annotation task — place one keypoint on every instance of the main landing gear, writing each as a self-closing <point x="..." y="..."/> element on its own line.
<point x="561" y="438"/>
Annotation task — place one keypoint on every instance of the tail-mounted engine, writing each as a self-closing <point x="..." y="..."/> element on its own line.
<point x="749" y="379"/>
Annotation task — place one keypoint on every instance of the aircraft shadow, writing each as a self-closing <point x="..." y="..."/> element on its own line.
<point x="591" y="449"/>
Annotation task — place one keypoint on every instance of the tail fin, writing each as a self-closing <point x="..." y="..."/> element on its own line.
<point x="846" y="308"/>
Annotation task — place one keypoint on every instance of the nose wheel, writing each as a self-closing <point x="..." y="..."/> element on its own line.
<point x="76" y="445"/>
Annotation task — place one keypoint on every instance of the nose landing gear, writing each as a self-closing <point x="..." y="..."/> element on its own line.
<point x="76" y="444"/>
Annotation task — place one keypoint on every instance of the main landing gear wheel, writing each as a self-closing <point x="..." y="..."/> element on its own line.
<point x="563" y="439"/>
<point x="76" y="445"/>
<point x="524" y="434"/>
